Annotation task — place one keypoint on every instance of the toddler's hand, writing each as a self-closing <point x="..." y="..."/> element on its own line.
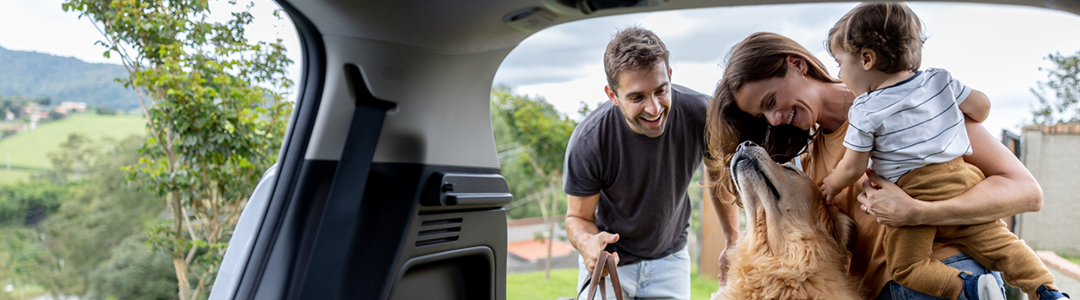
<point x="828" y="191"/>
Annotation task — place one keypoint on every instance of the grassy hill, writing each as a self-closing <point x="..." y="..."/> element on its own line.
<point x="36" y="75"/>
<point x="28" y="149"/>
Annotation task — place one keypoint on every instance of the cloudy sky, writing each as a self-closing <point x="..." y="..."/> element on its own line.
<point x="43" y="26"/>
<point x="995" y="49"/>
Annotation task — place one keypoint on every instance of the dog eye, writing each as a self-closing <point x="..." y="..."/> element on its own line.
<point x="790" y="168"/>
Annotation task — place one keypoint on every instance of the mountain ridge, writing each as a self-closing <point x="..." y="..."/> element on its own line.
<point x="36" y="75"/>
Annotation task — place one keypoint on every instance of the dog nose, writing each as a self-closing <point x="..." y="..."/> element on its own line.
<point x="745" y="144"/>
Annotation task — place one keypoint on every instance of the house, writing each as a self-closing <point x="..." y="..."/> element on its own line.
<point x="1049" y="153"/>
<point x="68" y="107"/>
<point x="527" y="246"/>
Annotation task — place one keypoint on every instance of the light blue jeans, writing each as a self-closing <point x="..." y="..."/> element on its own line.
<point x="667" y="277"/>
<point x="963" y="262"/>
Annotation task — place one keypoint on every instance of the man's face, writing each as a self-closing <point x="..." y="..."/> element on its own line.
<point x="644" y="97"/>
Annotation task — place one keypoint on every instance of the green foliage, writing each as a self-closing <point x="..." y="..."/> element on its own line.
<point x="215" y="110"/>
<point x="12" y="105"/>
<point x="103" y="110"/>
<point x="59" y="79"/>
<point x="73" y="159"/>
<point x="26" y="203"/>
<point x="1063" y="82"/>
<point x="531" y="136"/>
<point x="56" y="116"/>
<point x="133" y="271"/>
<point x="518" y="176"/>
<point x="59" y="227"/>
<point x="22" y="255"/>
<point x="100" y="212"/>
<point x="536" y="124"/>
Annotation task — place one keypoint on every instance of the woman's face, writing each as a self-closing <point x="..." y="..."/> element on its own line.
<point x="781" y="100"/>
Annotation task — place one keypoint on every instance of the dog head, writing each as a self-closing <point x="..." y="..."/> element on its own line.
<point x="782" y="203"/>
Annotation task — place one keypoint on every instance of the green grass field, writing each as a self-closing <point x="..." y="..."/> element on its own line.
<point x="27" y="150"/>
<point x="1074" y="259"/>
<point x="532" y="285"/>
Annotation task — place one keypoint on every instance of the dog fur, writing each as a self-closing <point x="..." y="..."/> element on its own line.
<point x="794" y="246"/>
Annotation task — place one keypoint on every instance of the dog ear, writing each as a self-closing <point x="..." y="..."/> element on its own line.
<point x="843" y="228"/>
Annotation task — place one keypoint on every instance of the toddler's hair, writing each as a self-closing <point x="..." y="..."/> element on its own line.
<point x="891" y="30"/>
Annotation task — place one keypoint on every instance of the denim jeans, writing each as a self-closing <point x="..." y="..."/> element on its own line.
<point x="961" y="261"/>
<point x="667" y="277"/>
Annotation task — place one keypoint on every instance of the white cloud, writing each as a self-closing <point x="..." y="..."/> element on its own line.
<point x="996" y="49"/>
<point x="43" y="26"/>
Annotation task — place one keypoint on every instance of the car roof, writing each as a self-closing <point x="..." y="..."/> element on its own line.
<point x="436" y="60"/>
<point x="480" y="26"/>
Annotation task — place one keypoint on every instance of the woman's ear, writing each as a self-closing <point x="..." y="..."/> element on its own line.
<point x="797" y="63"/>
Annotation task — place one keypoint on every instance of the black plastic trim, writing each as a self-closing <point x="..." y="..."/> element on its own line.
<point x="291" y="156"/>
<point x="336" y="227"/>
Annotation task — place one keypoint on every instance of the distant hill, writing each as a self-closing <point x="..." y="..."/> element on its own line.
<point x="39" y="75"/>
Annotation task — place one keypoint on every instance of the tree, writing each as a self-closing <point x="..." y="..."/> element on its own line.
<point x="21" y="255"/>
<point x="544" y="133"/>
<point x="73" y="160"/>
<point x="99" y="213"/>
<point x="133" y="272"/>
<point x="1063" y="83"/>
<point x="215" y="111"/>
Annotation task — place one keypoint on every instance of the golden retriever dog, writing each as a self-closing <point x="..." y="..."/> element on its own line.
<point x="794" y="247"/>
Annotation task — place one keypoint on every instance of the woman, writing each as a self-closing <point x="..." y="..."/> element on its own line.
<point x="777" y="94"/>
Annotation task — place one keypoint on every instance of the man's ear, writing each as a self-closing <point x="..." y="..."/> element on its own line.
<point x="611" y="95"/>
<point x="868" y="58"/>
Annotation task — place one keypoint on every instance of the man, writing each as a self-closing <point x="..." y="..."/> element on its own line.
<point x="627" y="168"/>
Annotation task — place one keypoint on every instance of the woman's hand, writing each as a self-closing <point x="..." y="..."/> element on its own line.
<point x="887" y="202"/>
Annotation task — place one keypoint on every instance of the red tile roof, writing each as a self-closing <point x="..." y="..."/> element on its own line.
<point x="536" y="249"/>
<point x="1071" y="128"/>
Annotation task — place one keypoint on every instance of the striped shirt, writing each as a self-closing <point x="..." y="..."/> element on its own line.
<point x="910" y="124"/>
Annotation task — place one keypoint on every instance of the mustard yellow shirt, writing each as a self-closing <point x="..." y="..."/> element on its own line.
<point x="868" y="257"/>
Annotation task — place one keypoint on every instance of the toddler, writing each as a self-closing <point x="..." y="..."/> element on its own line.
<point x="912" y="124"/>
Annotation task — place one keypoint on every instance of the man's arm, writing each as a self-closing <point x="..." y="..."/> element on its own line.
<point x="726" y="212"/>
<point x="582" y="232"/>
<point x="976" y="106"/>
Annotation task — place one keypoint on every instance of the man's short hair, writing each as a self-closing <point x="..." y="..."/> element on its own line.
<point x="631" y="49"/>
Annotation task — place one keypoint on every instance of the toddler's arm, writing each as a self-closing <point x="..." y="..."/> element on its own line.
<point x="847" y="171"/>
<point x="976" y="106"/>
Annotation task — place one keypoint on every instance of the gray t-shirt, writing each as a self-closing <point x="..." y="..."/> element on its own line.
<point x="642" y="181"/>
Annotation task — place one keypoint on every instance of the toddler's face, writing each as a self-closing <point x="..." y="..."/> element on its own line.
<point x="851" y="71"/>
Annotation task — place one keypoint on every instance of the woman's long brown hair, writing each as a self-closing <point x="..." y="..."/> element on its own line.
<point x="760" y="56"/>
